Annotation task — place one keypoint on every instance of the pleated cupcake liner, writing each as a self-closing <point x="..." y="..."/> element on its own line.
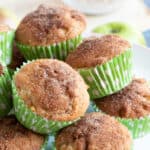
<point x="6" y="45"/>
<point x="138" y="127"/>
<point x="58" y="51"/>
<point x="32" y="120"/>
<point x="50" y="142"/>
<point x="109" y="77"/>
<point x="5" y="93"/>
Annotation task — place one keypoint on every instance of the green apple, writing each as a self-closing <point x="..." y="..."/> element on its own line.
<point x="8" y="17"/>
<point x="122" y="29"/>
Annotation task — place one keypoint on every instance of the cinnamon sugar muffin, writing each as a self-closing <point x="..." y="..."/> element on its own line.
<point x="56" y="27"/>
<point x="6" y="43"/>
<point x="97" y="51"/>
<point x="52" y="90"/>
<point x="95" y="131"/>
<point x="13" y="136"/>
<point x="99" y="59"/>
<point x="131" y="103"/>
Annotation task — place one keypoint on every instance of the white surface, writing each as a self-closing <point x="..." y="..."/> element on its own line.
<point x="93" y="7"/>
<point x="142" y="144"/>
<point x="141" y="60"/>
<point x="133" y="11"/>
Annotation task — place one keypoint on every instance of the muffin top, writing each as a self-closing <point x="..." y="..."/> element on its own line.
<point x="4" y="28"/>
<point x="131" y="102"/>
<point x="97" y="50"/>
<point x="15" y="137"/>
<point x="48" y="25"/>
<point x="52" y="89"/>
<point x="95" y="131"/>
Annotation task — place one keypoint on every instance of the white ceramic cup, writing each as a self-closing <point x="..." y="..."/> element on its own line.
<point x="94" y="7"/>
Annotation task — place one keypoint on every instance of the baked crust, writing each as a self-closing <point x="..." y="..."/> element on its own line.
<point x="52" y="89"/>
<point x="97" y="50"/>
<point x="95" y="131"/>
<point x="13" y="136"/>
<point x="48" y="25"/>
<point x="131" y="102"/>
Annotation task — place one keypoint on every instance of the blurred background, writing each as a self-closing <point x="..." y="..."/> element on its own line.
<point x="135" y="12"/>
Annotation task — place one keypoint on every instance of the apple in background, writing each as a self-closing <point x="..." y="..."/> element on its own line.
<point x="122" y="29"/>
<point x="8" y="17"/>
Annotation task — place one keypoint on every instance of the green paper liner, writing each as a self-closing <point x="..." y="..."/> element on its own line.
<point x="5" y="93"/>
<point x="59" y="50"/>
<point x="138" y="127"/>
<point x="30" y="119"/>
<point x="109" y="77"/>
<point x="33" y="121"/>
<point x="6" y="45"/>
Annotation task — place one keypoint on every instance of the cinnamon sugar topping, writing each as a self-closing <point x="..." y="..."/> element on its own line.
<point x="131" y="102"/>
<point x="53" y="88"/>
<point x="48" y="25"/>
<point x="96" y="51"/>
<point x="95" y="131"/>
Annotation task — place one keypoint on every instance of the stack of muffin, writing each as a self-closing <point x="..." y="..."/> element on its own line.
<point x="51" y="97"/>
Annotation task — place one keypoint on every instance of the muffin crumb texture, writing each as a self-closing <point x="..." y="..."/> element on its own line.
<point x="97" y="50"/>
<point x="52" y="89"/>
<point x="131" y="102"/>
<point x="15" y="137"/>
<point x="95" y="131"/>
<point x="49" y="25"/>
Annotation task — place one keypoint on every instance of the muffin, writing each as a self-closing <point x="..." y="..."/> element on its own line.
<point x="131" y="105"/>
<point x="95" y="131"/>
<point x="6" y="42"/>
<point x="50" y="32"/>
<point x="48" y="95"/>
<point x="17" y="58"/>
<point x="13" y="136"/>
<point x="104" y="62"/>
<point x="5" y="91"/>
